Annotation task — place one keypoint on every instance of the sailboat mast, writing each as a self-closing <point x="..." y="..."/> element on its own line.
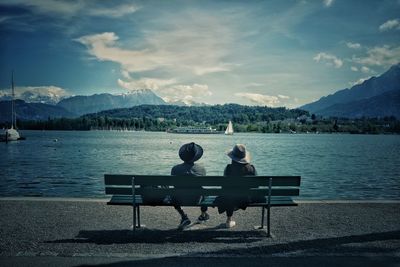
<point x="12" y="101"/>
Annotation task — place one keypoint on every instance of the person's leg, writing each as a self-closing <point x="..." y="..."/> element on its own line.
<point x="203" y="216"/>
<point x="229" y="222"/>
<point x="184" y="218"/>
<point x="180" y="211"/>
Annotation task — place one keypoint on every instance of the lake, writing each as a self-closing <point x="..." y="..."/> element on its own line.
<point x="72" y="164"/>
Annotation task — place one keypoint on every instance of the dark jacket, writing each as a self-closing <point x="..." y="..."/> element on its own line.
<point x="234" y="203"/>
<point x="188" y="169"/>
<point x="236" y="169"/>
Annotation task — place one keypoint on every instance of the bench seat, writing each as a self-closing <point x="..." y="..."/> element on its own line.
<point x="206" y="201"/>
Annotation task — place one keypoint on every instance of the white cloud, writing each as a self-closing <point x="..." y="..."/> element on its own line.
<point x="145" y="83"/>
<point x="360" y="81"/>
<point x="389" y="25"/>
<point x="102" y="47"/>
<point x="328" y="3"/>
<point x="353" y="68"/>
<point x="283" y="96"/>
<point x="254" y="84"/>
<point x="259" y="99"/>
<point x="329" y="59"/>
<point x="194" y="44"/>
<point x="186" y="93"/>
<point x="365" y="69"/>
<point x="353" y="45"/>
<point x="114" y="12"/>
<point x="384" y="56"/>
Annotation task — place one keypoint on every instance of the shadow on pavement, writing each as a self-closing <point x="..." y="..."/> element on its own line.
<point x="255" y="262"/>
<point x="105" y="237"/>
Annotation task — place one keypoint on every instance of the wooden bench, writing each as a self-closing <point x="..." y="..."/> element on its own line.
<point x="152" y="190"/>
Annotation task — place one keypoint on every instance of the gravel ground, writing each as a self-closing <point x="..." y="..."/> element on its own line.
<point x="79" y="231"/>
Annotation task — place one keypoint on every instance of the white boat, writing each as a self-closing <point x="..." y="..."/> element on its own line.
<point x="12" y="133"/>
<point x="229" y="129"/>
<point x="194" y="130"/>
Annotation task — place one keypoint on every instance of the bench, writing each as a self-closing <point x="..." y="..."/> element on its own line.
<point x="270" y="191"/>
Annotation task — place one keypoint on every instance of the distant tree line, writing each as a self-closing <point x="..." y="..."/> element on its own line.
<point x="244" y="118"/>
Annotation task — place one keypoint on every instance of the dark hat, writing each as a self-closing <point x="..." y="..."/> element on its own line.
<point x="190" y="152"/>
<point x="239" y="154"/>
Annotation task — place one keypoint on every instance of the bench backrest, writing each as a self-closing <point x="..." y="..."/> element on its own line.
<point x="158" y="185"/>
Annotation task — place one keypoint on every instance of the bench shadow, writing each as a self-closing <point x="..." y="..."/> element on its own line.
<point x="155" y="236"/>
<point x="321" y="249"/>
<point x="342" y="244"/>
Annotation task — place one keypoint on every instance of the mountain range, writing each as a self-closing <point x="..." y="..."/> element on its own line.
<point x="80" y="105"/>
<point x="375" y="97"/>
<point x="32" y="111"/>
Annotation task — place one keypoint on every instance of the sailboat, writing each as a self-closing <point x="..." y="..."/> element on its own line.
<point x="229" y="129"/>
<point x="12" y="133"/>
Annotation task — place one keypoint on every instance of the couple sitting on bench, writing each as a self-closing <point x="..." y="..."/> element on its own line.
<point x="240" y="166"/>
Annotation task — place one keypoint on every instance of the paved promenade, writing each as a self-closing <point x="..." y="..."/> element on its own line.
<point x="73" y="232"/>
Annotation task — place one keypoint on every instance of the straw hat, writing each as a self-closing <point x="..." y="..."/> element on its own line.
<point x="190" y="152"/>
<point x="239" y="154"/>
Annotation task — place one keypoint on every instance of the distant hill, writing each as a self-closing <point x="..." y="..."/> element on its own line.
<point x="94" y="103"/>
<point x="32" y="111"/>
<point x="362" y="99"/>
<point x="200" y="114"/>
<point x="386" y="104"/>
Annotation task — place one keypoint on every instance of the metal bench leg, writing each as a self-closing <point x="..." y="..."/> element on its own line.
<point x="262" y="217"/>
<point x="134" y="218"/>
<point x="269" y="208"/>
<point x="138" y="215"/>
<point x="269" y="221"/>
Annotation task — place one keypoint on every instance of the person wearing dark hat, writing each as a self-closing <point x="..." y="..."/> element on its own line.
<point x="189" y="153"/>
<point x="240" y="166"/>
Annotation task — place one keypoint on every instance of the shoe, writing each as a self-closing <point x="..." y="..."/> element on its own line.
<point x="230" y="224"/>
<point x="184" y="223"/>
<point x="203" y="218"/>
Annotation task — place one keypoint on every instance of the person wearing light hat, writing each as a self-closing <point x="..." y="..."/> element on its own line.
<point x="240" y="166"/>
<point x="189" y="153"/>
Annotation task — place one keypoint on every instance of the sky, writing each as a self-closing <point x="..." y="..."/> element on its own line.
<point x="275" y="53"/>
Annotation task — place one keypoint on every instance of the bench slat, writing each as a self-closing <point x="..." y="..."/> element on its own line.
<point x="202" y="192"/>
<point x="207" y="201"/>
<point x="250" y="181"/>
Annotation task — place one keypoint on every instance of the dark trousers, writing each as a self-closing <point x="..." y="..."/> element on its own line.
<point x="183" y="214"/>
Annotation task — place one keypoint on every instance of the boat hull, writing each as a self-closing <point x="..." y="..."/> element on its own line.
<point x="10" y="135"/>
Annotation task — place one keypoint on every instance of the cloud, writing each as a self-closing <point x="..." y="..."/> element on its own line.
<point x="189" y="44"/>
<point x="328" y="3"/>
<point x="389" y="25"/>
<point x="259" y="99"/>
<point x="283" y="96"/>
<point x="384" y="56"/>
<point x="185" y="93"/>
<point x="365" y="69"/>
<point x="145" y="83"/>
<point x="353" y="45"/>
<point x="329" y="59"/>
<point x="103" y="48"/>
<point x="115" y="12"/>
<point x="353" y="68"/>
<point x="360" y="81"/>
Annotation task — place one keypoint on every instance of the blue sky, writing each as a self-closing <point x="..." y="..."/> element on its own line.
<point x="275" y="53"/>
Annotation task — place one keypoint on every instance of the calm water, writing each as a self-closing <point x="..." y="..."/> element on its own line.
<point x="332" y="166"/>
